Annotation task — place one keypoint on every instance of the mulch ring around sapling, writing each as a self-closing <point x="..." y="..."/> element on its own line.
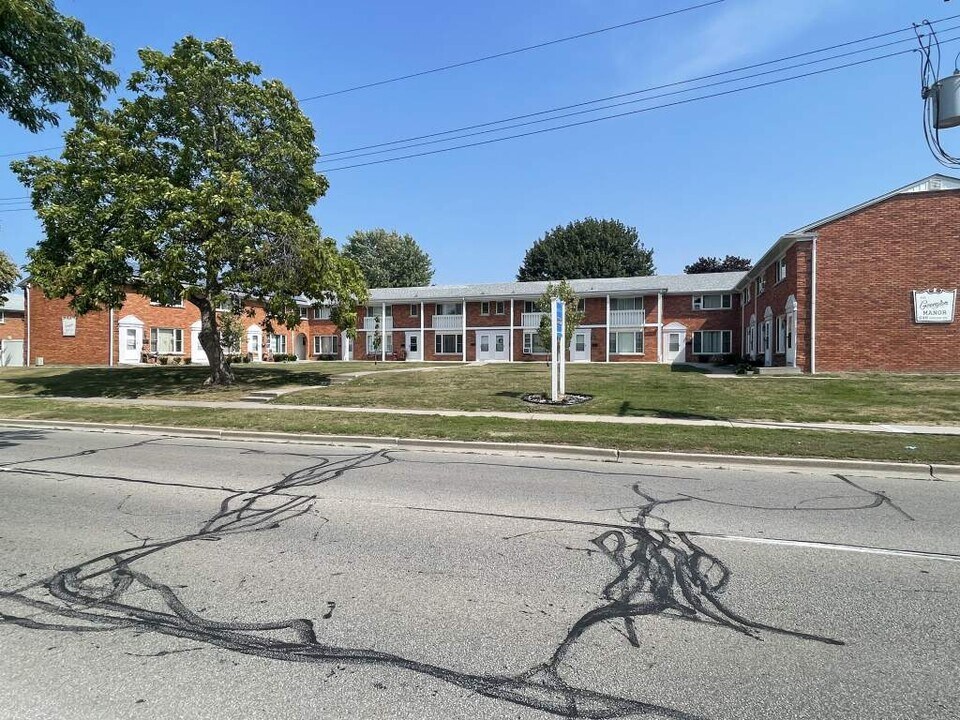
<point x="566" y="401"/>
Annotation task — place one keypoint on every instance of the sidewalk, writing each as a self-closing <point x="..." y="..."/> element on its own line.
<point x="884" y="428"/>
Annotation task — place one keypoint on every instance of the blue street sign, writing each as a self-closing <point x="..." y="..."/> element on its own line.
<point x="560" y="309"/>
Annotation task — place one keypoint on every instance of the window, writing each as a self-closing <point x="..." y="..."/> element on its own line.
<point x="791" y="329"/>
<point x="376" y="310"/>
<point x="761" y="284"/>
<point x="781" y="269"/>
<point x="414" y="344"/>
<point x="325" y="344"/>
<point x="321" y="313"/>
<point x="630" y="303"/>
<point x="235" y="350"/>
<point x="169" y="299"/>
<point x="449" y="309"/>
<point x="484" y="308"/>
<point x="372" y="349"/>
<point x="303" y="312"/>
<point x="711" y="342"/>
<point x="781" y="334"/>
<point x="581" y="305"/>
<point x="278" y="344"/>
<point x="712" y="302"/>
<point x="746" y="295"/>
<point x="166" y="341"/>
<point x="533" y="345"/>
<point x="500" y="308"/>
<point x="752" y="339"/>
<point x="626" y="343"/>
<point x="530" y="306"/>
<point x="449" y="344"/>
<point x="414" y="310"/>
<point x="228" y="305"/>
<point x="3" y="318"/>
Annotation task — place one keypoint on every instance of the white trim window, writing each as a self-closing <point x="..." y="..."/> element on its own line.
<point x="781" y="269"/>
<point x="533" y="344"/>
<point x="626" y="303"/>
<point x="3" y="317"/>
<point x="530" y="306"/>
<point x="761" y="284"/>
<point x="321" y="313"/>
<point x="781" y="333"/>
<point x="414" y="310"/>
<point x="229" y="305"/>
<point x="712" y="342"/>
<point x="375" y="311"/>
<point x="746" y="295"/>
<point x="448" y="343"/>
<point x="499" y="308"/>
<point x="751" y="348"/>
<point x="484" y="308"/>
<point x="326" y="344"/>
<point x="713" y="302"/>
<point x="166" y="341"/>
<point x="626" y="343"/>
<point x="449" y="309"/>
<point x="581" y="305"/>
<point x="171" y="300"/>
<point x="277" y="344"/>
<point x="304" y="312"/>
<point x="372" y="349"/>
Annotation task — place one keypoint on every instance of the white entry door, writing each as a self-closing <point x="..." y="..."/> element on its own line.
<point x="414" y="347"/>
<point x="197" y="354"/>
<point x="766" y="337"/>
<point x="674" y="345"/>
<point x="11" y="353"/>
<point x="131" y="343"/>
<point x="580" y="346"/>
<point x="791" y="339"/>
<point x="492" y="345"/>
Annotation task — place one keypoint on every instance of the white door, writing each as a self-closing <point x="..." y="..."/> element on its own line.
<point x="11" y="353"/>
<point x="492" y="345"/>
<point x="414" y="348"/>
<point x="131" y="344"/>
<point x="766" y="335"/>
<point x="674" y="346"/>
<point x="791" y="339"/>
<point x="197" y="354"/>
<point x="255" y="343"/>
<point x="580" y="346"/>
<point x="500" y="346"/>
<point x="300" y="346"/>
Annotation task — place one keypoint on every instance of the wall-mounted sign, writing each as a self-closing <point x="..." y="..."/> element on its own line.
<point x="69" y="327"/>
<point x="934" y="306"/>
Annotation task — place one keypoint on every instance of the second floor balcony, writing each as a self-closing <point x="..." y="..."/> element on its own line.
<point x="627" y="318"/>
<point x="447" y="322"/>
<point x="531" y="320"/>
<point x="374" y="322"/>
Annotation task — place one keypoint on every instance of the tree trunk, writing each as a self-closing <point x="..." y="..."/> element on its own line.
<point x="220" y="372"/>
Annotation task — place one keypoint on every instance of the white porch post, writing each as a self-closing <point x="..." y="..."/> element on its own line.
<point x="463" y="318"/>
<point x="511" y="329"/>
<point x="607" y="338"/>
<point x="423" y="351"/>
<point x="660" y="327"/>
<point x="383" y="332"/>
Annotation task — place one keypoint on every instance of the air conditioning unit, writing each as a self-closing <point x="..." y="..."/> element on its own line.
<point x="39" y="361"/>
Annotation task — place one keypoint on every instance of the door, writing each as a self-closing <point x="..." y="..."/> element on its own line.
<point x="11" y="353"/>
<point x="131" y="344"/>
<point x="255" y="343"/>
<point x="492" y="346"/>
<point x="674" y="346"/>
<point x="580" y="346"/>
<point x="791" y="339"/>
<point x="346" y="346"/>
<point x="414" y="348"/>
<point x="197" y="354"/>
<point x="767" y="337"/>
<point x="300" y="346"/>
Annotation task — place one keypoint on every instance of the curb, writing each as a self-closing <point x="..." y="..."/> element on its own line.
<point x="921" y="471"/>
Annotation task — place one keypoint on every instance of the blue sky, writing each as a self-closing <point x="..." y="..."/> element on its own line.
<point x="726" y="175"/>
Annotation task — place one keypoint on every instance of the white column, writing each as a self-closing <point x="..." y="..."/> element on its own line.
<point x="463" y="318"/>
<point x="383" y="332"/>
<point x="26" y="306"/>
<point x="607" y="338"/>
<point x="660" y="327"/>
<point x="423" y="346"/>
<point x="511" y="329"/>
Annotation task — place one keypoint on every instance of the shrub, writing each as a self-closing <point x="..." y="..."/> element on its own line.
<point x="187" y="361"/>
<point x="163" y="359"/>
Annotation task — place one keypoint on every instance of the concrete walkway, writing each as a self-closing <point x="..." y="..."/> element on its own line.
<point x="544" y="416"/>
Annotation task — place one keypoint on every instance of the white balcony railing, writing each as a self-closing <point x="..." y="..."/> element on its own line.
<point x="531" y="320"/>
<point x="372" y="323"/>
<point x="627" y="318"/>
<point x="448" y="322"/>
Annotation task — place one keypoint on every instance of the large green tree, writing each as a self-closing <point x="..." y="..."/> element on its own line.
<point x="9" y="273"/>
<point x="730" y="263"/>
<point x="389" y="259"/>
<point x="587" y="248"/>
<point x="198" y="185"/>
<point x="48" y="58"/>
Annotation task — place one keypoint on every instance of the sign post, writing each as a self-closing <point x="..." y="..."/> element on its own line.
<point x="558" y="380"/>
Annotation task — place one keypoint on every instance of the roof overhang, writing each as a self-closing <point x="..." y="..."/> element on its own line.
<point x="775" y="251"/>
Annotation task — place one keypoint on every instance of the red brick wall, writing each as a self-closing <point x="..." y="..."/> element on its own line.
<point x="13" y="327"/>
<point x="679" y="308"/>
<point x="868" y="264"/>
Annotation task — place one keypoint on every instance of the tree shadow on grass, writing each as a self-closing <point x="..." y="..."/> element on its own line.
<point x="627" y="409"/>
<point x="132" y="382"/>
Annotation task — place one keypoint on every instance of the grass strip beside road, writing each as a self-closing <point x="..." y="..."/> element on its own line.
<point x="731" y="441"/>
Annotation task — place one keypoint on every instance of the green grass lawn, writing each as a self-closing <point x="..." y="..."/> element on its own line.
<point x="661" y="391"/>
<point x="182" y="382"/>
<point x="787" y="443"/>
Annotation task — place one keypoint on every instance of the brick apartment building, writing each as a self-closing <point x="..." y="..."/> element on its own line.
<point x="12" y="332"/>
<point x="870" y="288"/>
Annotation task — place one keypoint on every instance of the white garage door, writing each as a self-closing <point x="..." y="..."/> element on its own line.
<point x="11" y="354"/>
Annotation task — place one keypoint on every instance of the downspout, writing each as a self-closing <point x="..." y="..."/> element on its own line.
<point x="659" y="327"/>
<point x="423" y="340"/>
<point x="606" y="339"/>
<point x="511" y="329"/>
<point x="463" y="318"/>
<point x="383" y="332"/>
<point x="26" y="290"/>
<point x="813" y="309"/>
<point x="110" y="343"/>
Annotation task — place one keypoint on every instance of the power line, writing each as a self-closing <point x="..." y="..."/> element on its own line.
<point x="18" y="197"/>
<point x="30" y="152"/>
<point x="506" y="53"/>
<point x="631" y="112"/>
<point x="16" y="210"/>
<point x="398" y="146"/>
<point x="636" y="92"/>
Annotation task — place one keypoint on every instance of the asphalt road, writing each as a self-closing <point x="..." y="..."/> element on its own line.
<point x="147" y="577"/>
